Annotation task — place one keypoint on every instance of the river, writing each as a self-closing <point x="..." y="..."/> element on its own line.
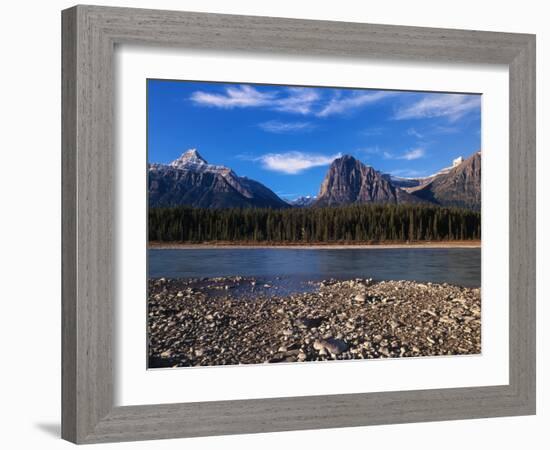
<point x="460" y="266"/>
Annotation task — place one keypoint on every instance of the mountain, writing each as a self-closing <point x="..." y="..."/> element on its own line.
<point x="403" y="183"/>
<point x="190" y="180"/>
<point x="303" y="201"/>
<point x="460" y="186"/>
<point x="408" y="183"/>
<point x="350" y="181"/>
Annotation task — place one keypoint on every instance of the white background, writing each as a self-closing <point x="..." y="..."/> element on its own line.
<point x="134" y="385"/>
<point x="30" y="225"/>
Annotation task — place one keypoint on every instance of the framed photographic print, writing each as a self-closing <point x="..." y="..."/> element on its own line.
<point x="268" y="222"/>
<point x="316" y="261"/>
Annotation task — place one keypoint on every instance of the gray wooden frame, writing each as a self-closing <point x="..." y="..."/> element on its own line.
<point x="89" y="36"/>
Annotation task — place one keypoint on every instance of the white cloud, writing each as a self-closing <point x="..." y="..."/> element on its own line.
<point x="293" y="163"/>
<point x="298" y="101"/>
<point x="452" y="106"/>
<point x="415" y="133"/>
<point x="291" y="100"/>
<point x="431" y="130"/>
<point x="413" y="154"/>
<point x="409" y="155"/>
<point x="276" y="126"/>
<point x="234" y="97"/>
<point x="295" y="100"/>
<point x="342" y="104"/>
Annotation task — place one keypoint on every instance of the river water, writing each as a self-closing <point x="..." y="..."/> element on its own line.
<point x="461" y="266"/>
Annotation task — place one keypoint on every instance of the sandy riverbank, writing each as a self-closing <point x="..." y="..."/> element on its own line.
<point x="383" y="245"/>
<point x="202" y="322"/>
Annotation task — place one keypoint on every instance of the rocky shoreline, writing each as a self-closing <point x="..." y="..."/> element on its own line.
<point x="207" y="322"/>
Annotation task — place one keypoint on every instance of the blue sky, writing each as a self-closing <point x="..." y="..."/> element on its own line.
<point x="285" y="137"/>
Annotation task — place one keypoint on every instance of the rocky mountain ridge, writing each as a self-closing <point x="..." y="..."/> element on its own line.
<point x="459" y="187"/>
<point x="349" y="181"/>
<point x="190" y="180"/>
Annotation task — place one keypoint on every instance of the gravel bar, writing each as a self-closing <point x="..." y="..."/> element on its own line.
<point x="206" y="322"/>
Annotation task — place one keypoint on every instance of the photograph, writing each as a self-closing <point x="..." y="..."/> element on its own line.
<point x="300" y="224"/>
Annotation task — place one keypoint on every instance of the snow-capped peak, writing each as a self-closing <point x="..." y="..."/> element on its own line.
<point x="304" y="200"/>
<point x="189" y="158"/>
<point x="192" y="161"/>
<point x="458" y="161"/>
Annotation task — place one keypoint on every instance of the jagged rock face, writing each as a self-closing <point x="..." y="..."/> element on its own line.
<point x="189" y="158"/>
<point x="411" y="184"/>
<point x="191" y="181"/>
<point x="459" y="187"/>
<point x="350" y="181"/>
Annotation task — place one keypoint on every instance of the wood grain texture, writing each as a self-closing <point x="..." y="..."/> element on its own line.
<point x="523" y="224"/>
<point x="68" y="225"/>
<point x="89" y="36"/>
<point x="87" y="206"/>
